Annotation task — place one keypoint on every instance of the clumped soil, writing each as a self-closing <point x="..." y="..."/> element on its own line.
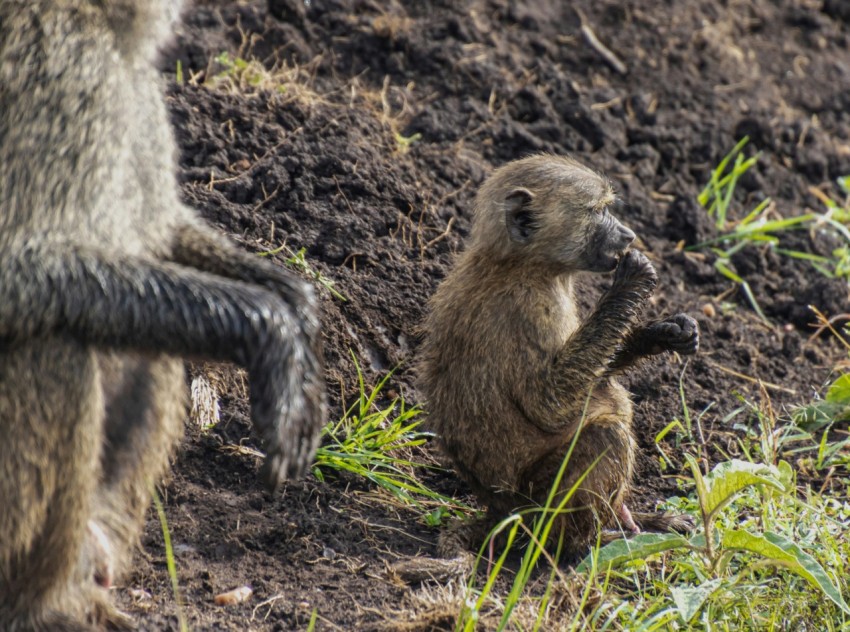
<point x="365" y="145"/>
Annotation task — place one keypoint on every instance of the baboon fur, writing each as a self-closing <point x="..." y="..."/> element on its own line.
<point x="509" y="371"/>
<point x="106" y="281"/>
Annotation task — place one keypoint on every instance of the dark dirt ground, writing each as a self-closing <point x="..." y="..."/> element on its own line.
<point x="317" y="164"/>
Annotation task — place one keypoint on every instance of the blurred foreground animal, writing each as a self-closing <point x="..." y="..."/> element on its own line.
<point x="106" y="281"/>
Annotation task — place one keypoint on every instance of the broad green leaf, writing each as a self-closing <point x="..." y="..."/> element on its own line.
<point x="697" y="541"/>
<point x="820" y="414"/>
<point x="839" y="391"/>
<point x="730" y="477"/>
<point x="785" y="553"/>
<point x="786" y="475"/>
<point x="639" y="547"/>
<point x="689" y="599"/>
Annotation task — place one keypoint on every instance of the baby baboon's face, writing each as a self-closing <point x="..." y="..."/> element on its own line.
<point x="607" y="239"/>
<point x="557" y="213"/>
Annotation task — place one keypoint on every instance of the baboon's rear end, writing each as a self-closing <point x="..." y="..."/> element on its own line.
<point x="106" y="280"/>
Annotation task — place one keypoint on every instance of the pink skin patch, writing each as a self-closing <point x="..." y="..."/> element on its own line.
<point x="626" y="520"/>
<point x="101" y="552"/>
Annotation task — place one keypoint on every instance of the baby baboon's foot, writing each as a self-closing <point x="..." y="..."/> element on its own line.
<point x="665" y="522"/>
<point x="627" y="522"/>
<point x="462" y="536"/>
<point x="648" y="523"/>
<point x="454" y="546"/>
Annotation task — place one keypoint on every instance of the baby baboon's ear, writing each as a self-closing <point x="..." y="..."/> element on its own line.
<point x="519" y="218"/>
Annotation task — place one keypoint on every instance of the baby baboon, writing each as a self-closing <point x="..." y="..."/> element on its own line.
<point x="509" y="371"/>
<point x="106" y="280"/>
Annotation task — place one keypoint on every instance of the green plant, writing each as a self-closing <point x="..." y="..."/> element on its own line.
<point x="404" y="142"/>
<point x="722" y="556"/>
<point x="757" y="228"/>
<point x="169" y="560"/>
<point x="298" y="261"/>
<point x="375" y="442"/>
<point x="238" y="74"/>
<point x="716" y="198"/>
<point x="836" y="220"/>
<point x="821" y="415"/>
<point x="717" y="194"/>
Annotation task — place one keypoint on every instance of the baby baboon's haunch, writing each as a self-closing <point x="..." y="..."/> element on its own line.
<point x="106" y="281"/>
<point x="507" y="366"/>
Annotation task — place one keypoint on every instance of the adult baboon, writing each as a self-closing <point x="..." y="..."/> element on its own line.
<point x="106" y="281"/>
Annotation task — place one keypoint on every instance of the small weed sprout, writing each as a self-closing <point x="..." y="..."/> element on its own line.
<point x="404" y="142"/>
<point x="242" y="75"/>
<point x="298" y="261"/>
<point x="246" y="75"/>
<point x="815" y="422"/>
<point x="716" y="197"/>
<point x="169" y="560"/>
<point x="717" y="194"/>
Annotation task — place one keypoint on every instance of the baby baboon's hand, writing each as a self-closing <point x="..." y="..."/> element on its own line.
<point x="636" y="274"/>
<point x="677" y="333"/>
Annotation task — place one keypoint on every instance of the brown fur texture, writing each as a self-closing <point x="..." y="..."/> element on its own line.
<point x="106" y="281"/>
<point x="510" y="373"/>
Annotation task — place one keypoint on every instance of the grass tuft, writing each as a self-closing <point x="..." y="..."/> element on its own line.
<point x="298" y="261"/>
<point x="376" y="442"/>
<point x="763" y="226"/>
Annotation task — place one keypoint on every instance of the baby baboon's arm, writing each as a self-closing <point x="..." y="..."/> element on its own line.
<point x="586" y="356"/>
<point x="678" y="333"/>
<point x="154" y="307"/>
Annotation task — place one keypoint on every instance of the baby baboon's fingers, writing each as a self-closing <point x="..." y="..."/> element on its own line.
<point x="636" y="268"/>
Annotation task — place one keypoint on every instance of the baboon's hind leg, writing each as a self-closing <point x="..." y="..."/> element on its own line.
<point x="146" y="404"/>
<point x="599" y="499"/>
<point x="51" y="422"/>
